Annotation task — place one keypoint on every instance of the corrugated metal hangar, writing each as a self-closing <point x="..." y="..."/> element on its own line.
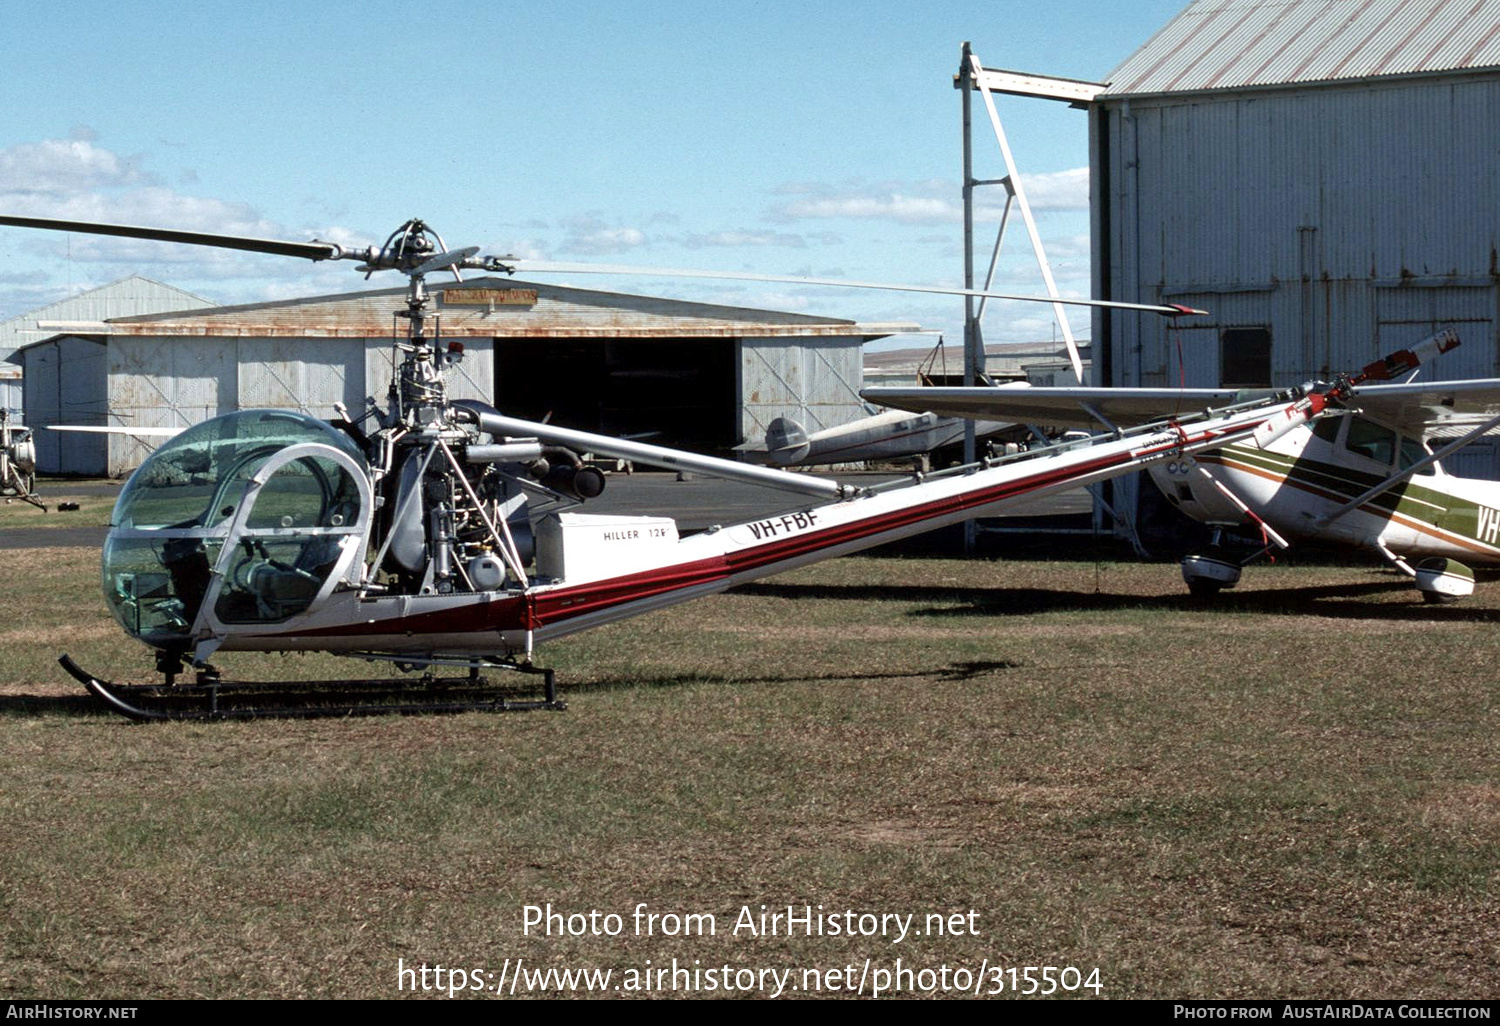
<point x="1322" y="175"/>
<point x="132" y="295"/>
<point x="694" y="375"/>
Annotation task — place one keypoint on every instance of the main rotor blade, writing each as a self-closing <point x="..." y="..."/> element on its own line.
<point x="551" y="267"/>
<point x="277" y="247"/>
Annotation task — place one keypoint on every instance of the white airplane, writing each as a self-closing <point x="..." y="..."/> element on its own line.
<point x="888" y="435"/>
<point x="1364" y="472"/>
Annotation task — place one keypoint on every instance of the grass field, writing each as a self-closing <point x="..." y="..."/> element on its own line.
<point x="93" y="508"/>
<point x="1292" y="794"/>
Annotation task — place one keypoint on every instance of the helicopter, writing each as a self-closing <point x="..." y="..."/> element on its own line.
<point x="433" y="532"/>
<point x="17" y="461"/>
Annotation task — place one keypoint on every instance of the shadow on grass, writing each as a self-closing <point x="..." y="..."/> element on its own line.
<point x="81" y="704"/>
<point x="84" y="705"/>
<point x="1354" y="601"/>
<point x="950" y="673"/>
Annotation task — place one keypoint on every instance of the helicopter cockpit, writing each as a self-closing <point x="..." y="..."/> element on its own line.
<point x="246" y="519"/>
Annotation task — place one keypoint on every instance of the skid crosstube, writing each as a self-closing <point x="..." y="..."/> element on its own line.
<point x="214" y="699"/>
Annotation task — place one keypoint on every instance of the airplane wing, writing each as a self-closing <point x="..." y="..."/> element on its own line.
<point x="1433" y="409"/>
<point x="1086" y="408"/>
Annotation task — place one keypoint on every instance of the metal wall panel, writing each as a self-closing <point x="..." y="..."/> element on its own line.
<point x="11" y="396"/>
<point x="306" y="374"/>
<point x="814" y="381"/>
<point x="165" y="383"/>
<point x="473" y="377"/>
<point x="170" y="382"/>
<point x="1314" y="198"/>
<point x="81" y="381"/>
<point x="42" y="402"/>
<point x="64" y="384"/>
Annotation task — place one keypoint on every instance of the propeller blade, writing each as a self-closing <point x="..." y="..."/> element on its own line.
<point x="277" y="247"/>
<point x="1406" y="361"/>
<point x="551" y="267"/>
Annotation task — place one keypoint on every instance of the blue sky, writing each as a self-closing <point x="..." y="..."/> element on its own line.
<point x="762" y="136"/>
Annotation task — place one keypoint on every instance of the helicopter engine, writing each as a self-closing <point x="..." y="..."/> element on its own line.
<point x="449" y="519"/>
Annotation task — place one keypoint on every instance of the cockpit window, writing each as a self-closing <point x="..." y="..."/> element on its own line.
<point x="1383" y="445"/>
<point x="196" y="478"/>
<point x="1371" y="440"/>
<point x="1327" y="428"/>
<point x="173" y="520"/>
<point x="1413" y="450"/>
<point x="310" y="492"/>
<point x="287" y="546"/>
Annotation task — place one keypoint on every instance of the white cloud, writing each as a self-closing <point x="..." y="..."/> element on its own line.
<point x="745" y="238"/>
<point x="58" y="167"/>
<point x="589" y="234"/>
<point x="78" y="180"/>
<point x="610" y="240"/>
<point x="925" y="202"/>
<point x="903" y="206"/>
<point x="521" y="249"/>
<point x="1057" y="190"/>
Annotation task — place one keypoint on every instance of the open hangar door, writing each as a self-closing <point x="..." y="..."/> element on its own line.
<point x="679" y="392"/>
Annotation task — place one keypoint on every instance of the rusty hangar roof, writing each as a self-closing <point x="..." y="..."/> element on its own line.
<point x="486" y="308"/>
<point x="1239" y="44"/>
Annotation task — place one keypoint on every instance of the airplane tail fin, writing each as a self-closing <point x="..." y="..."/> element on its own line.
<point x="786" y="441"/>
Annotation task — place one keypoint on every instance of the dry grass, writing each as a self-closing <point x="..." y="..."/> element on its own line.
<point x="1294" y="794"/>
<point x="93" y="509"/>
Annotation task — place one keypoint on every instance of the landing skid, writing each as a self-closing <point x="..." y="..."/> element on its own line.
<point x="212" y="698"/>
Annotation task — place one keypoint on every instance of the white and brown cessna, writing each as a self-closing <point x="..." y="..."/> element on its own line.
<point x="1366" y="473"/>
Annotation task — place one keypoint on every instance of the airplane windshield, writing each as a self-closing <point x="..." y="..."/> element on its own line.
<point x="175" y="515"/>
<point x="1385" y="446"/>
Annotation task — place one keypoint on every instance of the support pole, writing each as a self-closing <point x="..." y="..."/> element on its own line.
<point x="973" y="343"/>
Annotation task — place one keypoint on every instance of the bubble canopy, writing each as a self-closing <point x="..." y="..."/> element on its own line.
<point x="246" y="515"/>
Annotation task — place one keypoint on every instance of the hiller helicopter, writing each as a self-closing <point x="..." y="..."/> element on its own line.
<point x="1370" y="478"/>
<point x="17" y="461"/>
<point x="438" y="532"/>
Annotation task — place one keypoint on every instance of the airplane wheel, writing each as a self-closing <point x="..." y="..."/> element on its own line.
<point x="1206" y="576"/>
<point x="1444" y="580"/>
